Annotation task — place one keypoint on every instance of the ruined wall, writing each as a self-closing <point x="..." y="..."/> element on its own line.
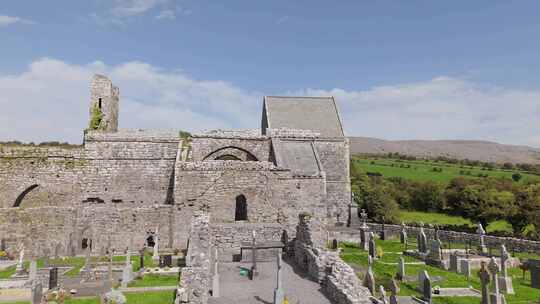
<point x="194" y="283"/>
<point x="60" y="230"/>
<point x="338" y="280"/>
<point x="130" y="166"/>
<point x="204" y="145"/>
<point x="272" y="194"/>
<point x="56" y="172"/>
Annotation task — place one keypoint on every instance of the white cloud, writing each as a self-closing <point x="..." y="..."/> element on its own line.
<point x="10" y="20"/>
<point x="166" y="14"/>
<point x="127" y="8"/>
<point x="49" y="101"/>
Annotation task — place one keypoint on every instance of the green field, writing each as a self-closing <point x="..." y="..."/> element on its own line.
<point x="423" y="170"/>
<point x="384" y="272"/>
<point x="444" y="219"/>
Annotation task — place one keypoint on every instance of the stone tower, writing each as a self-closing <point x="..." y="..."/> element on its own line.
<point x="104" y="99"/>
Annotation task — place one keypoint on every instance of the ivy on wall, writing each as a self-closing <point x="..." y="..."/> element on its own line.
<point x="97" y="117"/>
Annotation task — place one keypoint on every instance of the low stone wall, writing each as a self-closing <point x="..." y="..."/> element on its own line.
<point x="344" y="234"/>
<point x="194" y="284"/>
<point x="338" y="280"/>
<point x="228" y="237"/>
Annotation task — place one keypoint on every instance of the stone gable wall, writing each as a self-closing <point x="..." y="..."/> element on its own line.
<point x="204" y="146"/>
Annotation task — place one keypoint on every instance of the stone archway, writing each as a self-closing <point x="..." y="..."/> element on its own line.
<point x="231" y="153"/>
<point x="20" y="198"/>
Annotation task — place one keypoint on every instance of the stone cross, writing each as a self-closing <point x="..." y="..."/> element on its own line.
<point x="372" y="246"/>
<point x="504" y="259"/>
<point x="279" y="294"/>
<point x="364" y="217"/>
<point x="484" y="276"/>
<point x="505" y="282"/>
<point x="496" y="297"/>
<point x="481" y="235"/>
<point x="394" y="290"/>
<point x="254" y="255"/>
<point x="215" y="278"/>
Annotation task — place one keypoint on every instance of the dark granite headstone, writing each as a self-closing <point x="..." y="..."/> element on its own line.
<point x="334" y="244"/>
<point x="53" y="278"/>
<point x="535" y="273"/>
<point x="141" y="260"/>
<point x="167" y="260"/>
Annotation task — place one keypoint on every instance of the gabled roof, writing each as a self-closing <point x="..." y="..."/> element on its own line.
<point x="318" y="114"/>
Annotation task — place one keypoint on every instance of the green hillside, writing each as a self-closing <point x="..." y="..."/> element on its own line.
<point x="424" y="170"/>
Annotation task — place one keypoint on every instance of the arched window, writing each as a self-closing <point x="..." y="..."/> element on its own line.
<point x="21" y="196"/>
<point x="227" y="157"/>
<point x="241" y="208"/>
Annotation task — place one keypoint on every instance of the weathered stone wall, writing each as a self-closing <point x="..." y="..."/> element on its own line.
<point x="230" y="236"/>
<point x="272" y="194"/>
<point x="204" y="146"/>
<point x="334" y="157"/>
<point x="338" y="280"/>
<point x="55" y="171"/>
<point x="56" y="230"/>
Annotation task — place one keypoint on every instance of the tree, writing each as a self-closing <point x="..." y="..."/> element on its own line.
<point x="516" y="177"/>
<point x="428" y="196"/>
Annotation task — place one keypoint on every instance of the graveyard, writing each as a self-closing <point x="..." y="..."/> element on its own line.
<point x="396" y="263"/>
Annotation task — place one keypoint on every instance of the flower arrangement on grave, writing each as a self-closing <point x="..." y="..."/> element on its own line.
<point x="3" y="255"/>
<point x="380" y="252"/>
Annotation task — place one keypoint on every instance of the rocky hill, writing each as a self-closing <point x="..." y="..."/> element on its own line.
<point x="462" y="149"/>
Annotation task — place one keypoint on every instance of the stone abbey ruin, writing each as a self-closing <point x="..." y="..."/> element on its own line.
<point x="121" y="186"/>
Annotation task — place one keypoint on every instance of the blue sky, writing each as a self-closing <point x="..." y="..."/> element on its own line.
<point x="399" y="69"/>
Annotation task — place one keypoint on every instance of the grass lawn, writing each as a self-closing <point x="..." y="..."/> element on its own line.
<point x="151" y="280"/>
<point x="420" y="170"/>
<point x="384" y="273"/>
<point x="153" y="297"/>
<point x="445" y="219"/>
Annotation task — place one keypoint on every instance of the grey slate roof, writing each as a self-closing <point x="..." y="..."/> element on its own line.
<point x="308" y="113"/>
<point x="298" y="156"/>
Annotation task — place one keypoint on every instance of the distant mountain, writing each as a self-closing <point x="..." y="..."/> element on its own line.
<point x="461" y="149"/>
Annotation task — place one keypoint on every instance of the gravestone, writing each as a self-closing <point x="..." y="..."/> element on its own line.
<point x="422" y="240"/>
<point x="465" y="267"/>
<point x="535" y="273"/>
<point x="155" y="256"/>
<point x="3" y="245"/>
<point x="37" y="292"/>
<point x="454" y="262"/>
<point x="165" y="260"/>
<point x="403" y="234"/>
<point x="369" y="278"/>
<point x="372" y="246"/>
<point x="401" y="269"/>
<point x="505" y="282"/>
<point x="495" y="297"/>
<point x="53" y="278"/>
<point x="279" y="294"/>
<point x="114" y="297"/>
<point x="382" y="293"/>
<point x="364" y="232"/>
<point x="19" y="269"/>
<point x="484" y="276"/>
<point x="382" y="234"/>
<point x="482" y="249"/>
<point x="426" y="291"/>
<point x="394" y="291"/>
<point x="334" y="244"/>
<point x="253" y="271"/>
<point x="215" y="278"/>
<point x="33" y="270"/>
<point x="141" y="259"/>
<point x="127" y="272"/>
